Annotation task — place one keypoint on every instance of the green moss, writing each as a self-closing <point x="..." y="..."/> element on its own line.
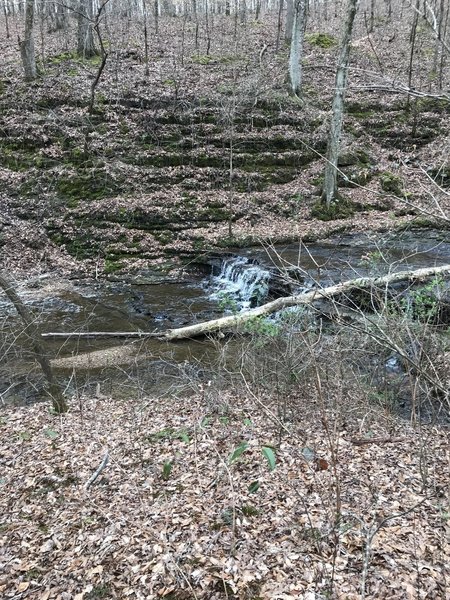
<point x="420" y="223"/>
<point x="339" y="209"/>
<point x="249" y="511"/>
<point x="81" y="247"/>
<point x="237" y="242"/>
<point x="321" y="40"/>
<point x="164" y="237"/>
<point x="202" y="59"/>
<point x="63" y="57"/>
<point x="76" y="156"/>
<point x="112" y="265"/>
<point x="199" y="243"/>
<point x="85" y="186"/>
<point x="391" y="183"/>
<point x="22" y="157"/>
<point x="436" y="105"/>
<point x="99" y="592"/>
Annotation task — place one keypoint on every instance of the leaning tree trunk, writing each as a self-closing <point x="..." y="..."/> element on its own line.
<point x="85" y="39"/>
<point x="27" y="45"/>
<point x="296" y="52"/>
<point x="330" y="193"/>
<point x="55" y="392"/>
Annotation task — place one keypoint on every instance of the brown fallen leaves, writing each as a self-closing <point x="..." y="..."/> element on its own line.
<point x="209" y="527"/>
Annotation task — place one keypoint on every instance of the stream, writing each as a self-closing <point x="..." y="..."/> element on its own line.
<point x="232" y="281"/>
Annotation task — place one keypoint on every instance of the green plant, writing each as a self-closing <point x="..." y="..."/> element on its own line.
<point x="167" y="470"/>
<point x="262" y="327"/>
<point x="112" y="265"/>
<point x="423" y="304"/>
<point x="237" y="452"/>
<point x="169" y="434"/>
<point x="321" y="40"/>
<point x="99" y="592"/>
<point x="253" y="487"/>
<point x="269" y="454"/>
<point x="267" y="451"/>
<point x="249" y="511"/>
<point x="51" y="434"/>
<point x="202" y="59"/>
<point x="227" y="302"/>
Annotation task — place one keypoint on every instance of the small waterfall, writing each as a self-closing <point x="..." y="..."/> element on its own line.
<point x="241" y="283"/>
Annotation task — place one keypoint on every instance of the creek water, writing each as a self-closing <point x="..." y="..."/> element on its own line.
<point x="236" y="281"/>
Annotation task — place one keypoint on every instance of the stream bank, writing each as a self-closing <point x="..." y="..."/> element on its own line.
<point x="147" y="178"/>
<point x="235" y="281"/>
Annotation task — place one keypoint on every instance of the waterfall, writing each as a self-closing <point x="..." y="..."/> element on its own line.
<point x="241" y="283"/>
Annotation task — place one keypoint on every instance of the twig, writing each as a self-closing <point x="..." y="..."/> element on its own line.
<point x="94" y="477"/>
<point x="363" y="441"/>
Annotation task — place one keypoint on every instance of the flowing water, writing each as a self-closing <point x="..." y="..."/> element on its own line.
<point x="237" y="282"/>
<point x="241" y="282"/>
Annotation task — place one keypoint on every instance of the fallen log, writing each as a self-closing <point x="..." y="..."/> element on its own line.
<point x="98" y="335"/>
<point x="234" y="321"/>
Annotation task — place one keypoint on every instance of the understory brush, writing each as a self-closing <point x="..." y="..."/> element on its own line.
<point x="306" y="459"/>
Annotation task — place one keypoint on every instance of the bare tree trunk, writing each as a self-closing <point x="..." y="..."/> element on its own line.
<point x="296" y="52"/>
<point x="289" y="20"/>
<point x="207" y="27"/>
<point x="412" y="39"/>
<point x="5" y="12"/>
<point x="443" y="54"/>
<point x="27" y="45"/>
<point x="103" y="54"/>
<point x="85" y="40"/>
<point x="58" y="400"/>
<point x="372" y="16"/>
<point x="258" y="10"/>
<point x="146" y="60"/>
<point x="243" y="12"/>
<point x="329" y="193"/>
<point x="280" y="20"/>
<point x="156" y="15"/>
<point x="57" y="17"/>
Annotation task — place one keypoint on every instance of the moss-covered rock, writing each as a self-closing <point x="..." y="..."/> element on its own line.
<point x="391" y="183"/>
<point x="341" y="208"/>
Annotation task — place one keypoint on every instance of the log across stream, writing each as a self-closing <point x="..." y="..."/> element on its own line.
<point x="141" y="318"/>
<point x="237" y="320"/>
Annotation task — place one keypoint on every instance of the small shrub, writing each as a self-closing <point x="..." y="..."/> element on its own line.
<point x="167" y="470"/>
<point x="391" y="183"/>
<point x="202" y="59"/>
<point x="321" y="40"/>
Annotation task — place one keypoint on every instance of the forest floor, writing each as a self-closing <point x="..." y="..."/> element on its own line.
<point x="191" y="504"/>
<point x="170" y="163"/>
<point x="209" y="495"/>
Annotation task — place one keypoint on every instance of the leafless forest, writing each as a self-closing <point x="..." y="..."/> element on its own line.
<point x="255" y="196"/>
